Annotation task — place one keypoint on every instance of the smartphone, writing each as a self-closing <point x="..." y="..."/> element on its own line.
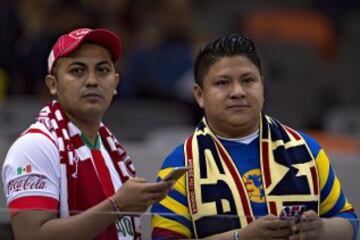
<point x="292" y="212"/>
<point x="176" y="173"/>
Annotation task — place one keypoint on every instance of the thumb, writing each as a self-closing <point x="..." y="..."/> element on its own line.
<point x="139" y="180"/>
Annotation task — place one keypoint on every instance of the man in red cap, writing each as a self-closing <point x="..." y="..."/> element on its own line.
<point x="66" y="172"/>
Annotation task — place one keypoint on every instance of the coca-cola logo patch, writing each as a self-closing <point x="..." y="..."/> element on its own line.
<point x="27" y="182"/>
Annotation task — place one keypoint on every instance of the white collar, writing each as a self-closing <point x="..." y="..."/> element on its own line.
<point x="246" y="140"/>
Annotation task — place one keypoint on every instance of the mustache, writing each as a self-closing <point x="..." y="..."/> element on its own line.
<point x="91" y="92"/>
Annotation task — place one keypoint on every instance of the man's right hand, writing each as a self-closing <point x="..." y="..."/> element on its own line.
<point x="136" y="195"/>
<point x="267" y="227"/>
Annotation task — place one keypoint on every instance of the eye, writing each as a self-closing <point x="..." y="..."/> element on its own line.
<point x="221" y="82"/>
<point x="248" y="80"/>
<point x="104" y="70"/>
<point x="77" y="71"/>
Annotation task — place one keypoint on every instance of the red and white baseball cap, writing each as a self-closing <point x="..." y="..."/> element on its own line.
<point x="69" y="42"/>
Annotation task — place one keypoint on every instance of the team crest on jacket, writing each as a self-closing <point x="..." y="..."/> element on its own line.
<point x="253" y="183"/>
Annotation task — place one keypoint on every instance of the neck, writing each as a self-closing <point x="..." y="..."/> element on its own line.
<point x="89" y="128"/>
<point x="245" y="139"/>
<point x="234" y="132"/>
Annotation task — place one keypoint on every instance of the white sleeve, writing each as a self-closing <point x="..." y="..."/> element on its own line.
<point x="32" y="168"/>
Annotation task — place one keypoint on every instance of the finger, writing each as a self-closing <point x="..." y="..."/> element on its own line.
<point x="276" y="224"/>
<point x="306" y="224"/>
<point x="269" y="217"/>
<point x="155" y="196"/>
<point x="171" y="183"/>
<point x="306" y="232"/>
<point x="311" y="226"/>
<point x="282" y="233"/>
<point x="299" y="227"/>
<point x="311" y="214"/>
<point x="158" y="186"/>
<point x="295" y="237"/>
<point x="276" y="234"/>
<point x="138" y="179"/>
<point x="304" y="235"/>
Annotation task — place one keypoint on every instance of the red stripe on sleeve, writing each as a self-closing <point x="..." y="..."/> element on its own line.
<point x="33" y="203"/>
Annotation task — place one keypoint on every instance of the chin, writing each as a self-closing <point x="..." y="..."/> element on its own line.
<point x="93" y="110"/>
<point x="238" y="120"/>
<point x="242" y="123"/>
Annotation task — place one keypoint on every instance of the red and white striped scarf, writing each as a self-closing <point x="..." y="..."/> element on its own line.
<point x="84" y="188"/>
<point x="56" y="121"/>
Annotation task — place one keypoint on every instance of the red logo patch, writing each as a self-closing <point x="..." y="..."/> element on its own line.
<point x="78" y="34"/>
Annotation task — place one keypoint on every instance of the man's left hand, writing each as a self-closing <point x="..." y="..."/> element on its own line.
<point x="309" y="227"/>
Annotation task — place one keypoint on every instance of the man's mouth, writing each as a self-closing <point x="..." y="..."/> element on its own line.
<point x="238" y="106"/>
<point x="92" y="95"/>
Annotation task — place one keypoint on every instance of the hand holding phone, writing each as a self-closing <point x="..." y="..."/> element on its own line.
<point x="292" y="212"/>
<point x="176" y="173"/>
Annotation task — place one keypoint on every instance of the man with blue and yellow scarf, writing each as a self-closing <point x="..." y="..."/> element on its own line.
<point x="245" y="166"/>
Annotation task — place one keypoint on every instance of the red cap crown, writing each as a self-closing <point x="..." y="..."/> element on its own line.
<point x="69" y="42"/>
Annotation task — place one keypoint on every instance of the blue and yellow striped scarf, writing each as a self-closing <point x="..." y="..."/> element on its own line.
<point x="217" y="196"/>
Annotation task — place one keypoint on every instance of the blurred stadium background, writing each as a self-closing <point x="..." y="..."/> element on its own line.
<point x="310" y="51"/>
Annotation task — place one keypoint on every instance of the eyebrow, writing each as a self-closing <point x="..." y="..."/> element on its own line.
<point x="77" y="63"/>
<point x="247" y="74"/>
<point x="104" y="62"/>
<point x="84" y="64"/>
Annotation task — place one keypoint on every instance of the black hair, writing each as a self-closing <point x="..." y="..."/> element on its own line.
<point x="224" y="46"/>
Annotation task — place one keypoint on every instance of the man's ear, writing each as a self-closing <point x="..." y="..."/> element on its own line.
<point x="117" y="79"/>
<point x="51" y="83"/>
<point x="198" y="94"/>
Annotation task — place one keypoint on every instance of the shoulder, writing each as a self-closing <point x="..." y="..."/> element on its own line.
<point x="36" y="136"/>
<point x="38" y="129"/>
<point x="313" y="144"/>
<point x="33" y="144"/>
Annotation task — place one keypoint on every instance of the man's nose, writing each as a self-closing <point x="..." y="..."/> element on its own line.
<point x="237" y="90"/>
<point x="92" y="79"/>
